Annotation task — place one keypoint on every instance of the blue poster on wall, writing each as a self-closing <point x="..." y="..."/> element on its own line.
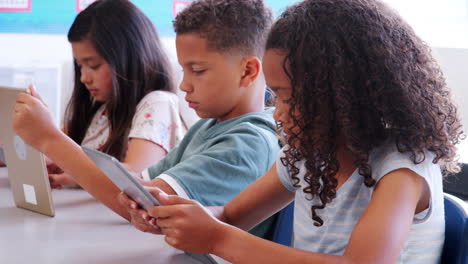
<point x="56" y="16"/>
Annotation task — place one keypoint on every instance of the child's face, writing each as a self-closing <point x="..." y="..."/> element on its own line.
<point x="211" y="79"/>
<point x="280" y="84"/>
<point x="96" y="73"/>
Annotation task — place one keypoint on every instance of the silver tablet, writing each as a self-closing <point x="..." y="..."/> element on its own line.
<point x="203" y="258"/>
<point x="121" y="177"/>
<point x="26" y="166"/>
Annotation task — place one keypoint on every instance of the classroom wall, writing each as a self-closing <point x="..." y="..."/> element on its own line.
<point x="39" y="49"/>
<point x="454" y="64"/>
<point x="25" y="54"/>
<point x="442" y="24"/>
<point x="33" y="45"/>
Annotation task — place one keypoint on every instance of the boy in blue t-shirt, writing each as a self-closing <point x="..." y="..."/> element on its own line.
<point x="235" y="142"/>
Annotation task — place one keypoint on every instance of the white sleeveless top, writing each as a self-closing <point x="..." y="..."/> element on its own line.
<point x="426" y="238"/>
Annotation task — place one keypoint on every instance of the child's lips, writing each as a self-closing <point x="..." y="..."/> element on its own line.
<point x="192" y="104"/>
<point x="93" y="91"/>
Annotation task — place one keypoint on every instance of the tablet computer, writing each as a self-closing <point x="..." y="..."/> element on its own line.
<point x="202" y="258"/>
<point x="121" y="177"/>
<point x="26" y="168"/>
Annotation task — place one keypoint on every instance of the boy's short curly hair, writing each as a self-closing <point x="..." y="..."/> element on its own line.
<point x="228" y="25"/>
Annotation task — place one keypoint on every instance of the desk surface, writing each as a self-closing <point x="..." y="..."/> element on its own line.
<point x="82" y="231"/>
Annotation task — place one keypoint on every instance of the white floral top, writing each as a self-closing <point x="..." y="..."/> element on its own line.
<point x="156" y="119"/>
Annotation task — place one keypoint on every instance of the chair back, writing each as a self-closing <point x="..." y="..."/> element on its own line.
<point x="456" y="231"/>
<point x="283" y="230"/>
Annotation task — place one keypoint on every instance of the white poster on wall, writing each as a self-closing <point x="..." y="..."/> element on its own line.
<point x="82" y="4"/>
<point x="179" y="5"/>
<point x="15" y="5"/>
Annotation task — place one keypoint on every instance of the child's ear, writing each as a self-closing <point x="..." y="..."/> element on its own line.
<point x="252" y="67"/>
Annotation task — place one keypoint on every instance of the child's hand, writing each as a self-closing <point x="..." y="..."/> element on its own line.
<point x="57" y="181"/>
<point x="186" y="224"/>
<point x="31" y="119"/>
<point x="139" y="217"/>
<point x="52" y="168"/>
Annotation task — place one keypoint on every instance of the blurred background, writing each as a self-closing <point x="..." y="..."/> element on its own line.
<point x="34" y="47"/>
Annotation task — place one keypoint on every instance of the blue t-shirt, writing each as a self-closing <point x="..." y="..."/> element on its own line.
<point x="216" y="161"/>
<point x="426" y="238"/>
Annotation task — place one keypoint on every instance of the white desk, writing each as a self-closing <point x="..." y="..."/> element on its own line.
<point x="82" y="231"/>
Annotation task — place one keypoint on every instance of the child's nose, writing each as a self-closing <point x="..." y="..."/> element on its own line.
<point x="85" y="77"/>
<point x="185" y="86"/>
<point x="278" y="114"/>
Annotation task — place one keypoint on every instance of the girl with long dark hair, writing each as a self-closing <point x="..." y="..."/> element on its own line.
<point x="123" y="102"/>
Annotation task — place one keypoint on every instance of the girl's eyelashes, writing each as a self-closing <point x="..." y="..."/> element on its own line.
<point x="198" y="72"/>
<point x="284" y="101"/>
<point x="95" y="67"/>
<point x="91" y="67"/>
<point x="279" y="93"/>
<point x="195" y="72"/>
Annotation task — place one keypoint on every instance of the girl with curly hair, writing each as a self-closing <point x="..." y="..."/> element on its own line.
<point x="369" y="130"/>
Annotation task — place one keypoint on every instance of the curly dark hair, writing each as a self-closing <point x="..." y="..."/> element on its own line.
<point x="228" y="25"/>
<point x="358" y="71"/>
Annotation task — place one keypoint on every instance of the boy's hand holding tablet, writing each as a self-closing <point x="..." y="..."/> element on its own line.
<point x="140" y="217"/>
<point x="141" y="199"/>
<point x="134" y="195"/>
<point x="173" y="220"/>
<point x="122" y="178"/>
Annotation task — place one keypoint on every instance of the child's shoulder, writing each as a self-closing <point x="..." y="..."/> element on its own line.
<point x="159" y="96"/>
<point x="262" y="119"/>
<point x="250" y="121"/>
<point x="261" y="124"/>
<point x="256" y="127"/>
<point x="387" y="158"/>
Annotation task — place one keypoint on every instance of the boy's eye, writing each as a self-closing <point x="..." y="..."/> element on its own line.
<point x="198" y="72"/>
<point x="287" y="101"/>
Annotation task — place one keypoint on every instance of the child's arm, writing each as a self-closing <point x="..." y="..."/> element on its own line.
<point x="60" y="180"/>
<point x="257" y="202"/>
<point x="378" y="237"/>
<point x="142" y="153"/>
<point x="33" y="123"/>
<point x="155" y="128"/>
<point x="260" y="200"/>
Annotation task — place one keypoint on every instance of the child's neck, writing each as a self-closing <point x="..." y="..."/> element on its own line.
<point x="252" y="101"/>
<point x="347" y="167"/>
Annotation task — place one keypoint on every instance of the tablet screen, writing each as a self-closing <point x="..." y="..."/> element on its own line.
<point x="121" y="177"/>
